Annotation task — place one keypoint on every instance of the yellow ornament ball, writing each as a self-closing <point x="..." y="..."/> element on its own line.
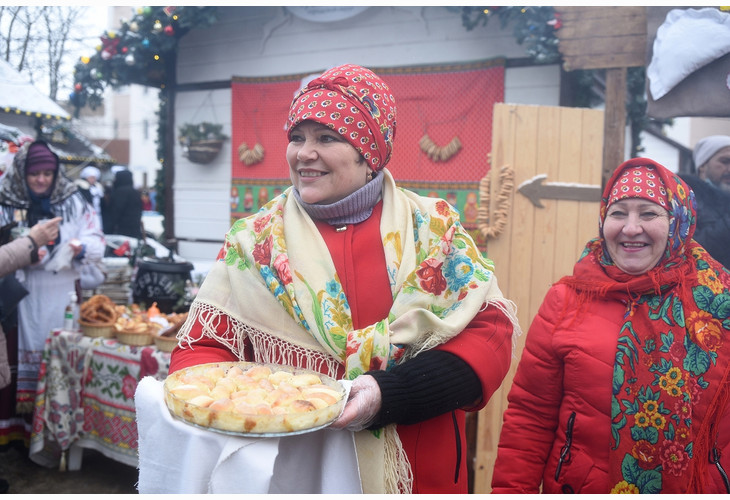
<point x="85" y="59"/>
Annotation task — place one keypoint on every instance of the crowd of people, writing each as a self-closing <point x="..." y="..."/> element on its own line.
<point x="622" y="386"/>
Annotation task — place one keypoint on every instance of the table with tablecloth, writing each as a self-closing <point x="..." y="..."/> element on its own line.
<point x="85" y="398"/>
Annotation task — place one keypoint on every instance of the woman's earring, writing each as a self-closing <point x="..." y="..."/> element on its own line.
<point x="369" y="177"/>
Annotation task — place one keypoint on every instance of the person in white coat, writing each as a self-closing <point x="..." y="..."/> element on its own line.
<point x="92" y="189"/>
<point x="36" y="188"/>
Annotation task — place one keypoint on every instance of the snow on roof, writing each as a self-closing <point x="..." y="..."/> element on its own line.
<point x="18" y="95"/>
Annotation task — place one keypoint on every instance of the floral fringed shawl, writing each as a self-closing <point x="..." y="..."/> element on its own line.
<point x="276" y="261"/>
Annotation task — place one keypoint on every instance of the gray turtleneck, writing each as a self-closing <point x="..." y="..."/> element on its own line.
<point x="354" y="208"/>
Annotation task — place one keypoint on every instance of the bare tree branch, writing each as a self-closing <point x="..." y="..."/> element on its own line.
<point x="39" y="42"/>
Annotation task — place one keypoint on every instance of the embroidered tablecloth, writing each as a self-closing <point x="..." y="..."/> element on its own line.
<point x="85" y="396"/>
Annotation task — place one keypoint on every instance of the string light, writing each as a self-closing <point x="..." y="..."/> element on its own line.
<point x="38" y="114"/>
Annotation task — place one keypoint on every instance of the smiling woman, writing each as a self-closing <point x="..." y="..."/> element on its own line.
<point x="349" y="275"/>
<point x="636" y="235"/>
<point x="623" y="372"/>
<point x="324" y="167"/>
<point x="636" y="228"/>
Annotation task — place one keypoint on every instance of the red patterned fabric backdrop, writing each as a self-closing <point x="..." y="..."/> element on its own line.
<point x="437" y="106"/>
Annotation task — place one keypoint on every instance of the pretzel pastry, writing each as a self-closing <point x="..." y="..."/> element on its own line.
<point x="98" y="309"/>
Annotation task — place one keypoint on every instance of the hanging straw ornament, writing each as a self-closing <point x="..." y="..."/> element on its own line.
<point x="250" y="156"/>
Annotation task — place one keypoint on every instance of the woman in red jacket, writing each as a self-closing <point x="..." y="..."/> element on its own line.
<point x="347" y="274"/>
<point x="622" y="386"/>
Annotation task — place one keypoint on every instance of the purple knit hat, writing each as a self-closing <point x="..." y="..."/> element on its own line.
<point x="40" y="158"/>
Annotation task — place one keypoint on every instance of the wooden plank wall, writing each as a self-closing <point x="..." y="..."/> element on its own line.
<point x="602" y="37"/>
<point x="538" y="245"/>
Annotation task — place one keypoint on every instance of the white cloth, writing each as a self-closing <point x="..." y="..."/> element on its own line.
<point x="175" y="457"/>
<point x="686" y="41"/>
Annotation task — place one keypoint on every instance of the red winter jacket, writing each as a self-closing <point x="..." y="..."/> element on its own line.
<point x="436" y="448"/>
<point x="560" y="403"/>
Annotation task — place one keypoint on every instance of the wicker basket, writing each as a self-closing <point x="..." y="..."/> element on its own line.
<point x="135" y="338"/>
<point x="165" y="344"/>
<point x="105" y="330"/>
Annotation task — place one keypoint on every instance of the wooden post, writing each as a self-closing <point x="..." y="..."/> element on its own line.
<point x="169" y="174"/>
<point x="614" y="124"/>
<point x="613" y="39"/>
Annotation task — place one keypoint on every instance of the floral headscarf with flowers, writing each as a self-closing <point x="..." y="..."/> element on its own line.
<point x="672" y="351"/>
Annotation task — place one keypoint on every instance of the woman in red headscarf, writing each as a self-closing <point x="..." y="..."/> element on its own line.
<point x="346" y="274"/>
<point x="622" y="386"/>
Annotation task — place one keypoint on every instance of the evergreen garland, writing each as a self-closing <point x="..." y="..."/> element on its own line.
<point x="160" y="198"/>
<point x="534" y="27"/>
<point x="141" y="51"/>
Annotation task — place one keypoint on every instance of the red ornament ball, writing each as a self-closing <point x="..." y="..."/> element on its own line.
<point x="169" y="30"/>
<point x="78" y="87"/>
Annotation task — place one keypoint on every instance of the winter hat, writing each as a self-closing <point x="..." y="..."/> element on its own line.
<point x="354" y="102"/>
<point x="39" y="158"/>
<point x="707" y="147"/>
<point x="90" y="171"/>
<point x="640" y="181"/>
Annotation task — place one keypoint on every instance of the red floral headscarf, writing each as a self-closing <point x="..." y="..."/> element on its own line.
<point x="670" y="379"/>
<point x="354" y="102"/>
<point x="631" y="180"/>
<point x="642" y="183"/>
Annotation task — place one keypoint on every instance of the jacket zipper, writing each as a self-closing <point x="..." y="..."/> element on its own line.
<point x="565" y="451"/>
<point x="715" y="459"/>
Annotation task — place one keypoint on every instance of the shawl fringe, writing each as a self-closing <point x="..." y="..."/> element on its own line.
<point x="398" y="474"/>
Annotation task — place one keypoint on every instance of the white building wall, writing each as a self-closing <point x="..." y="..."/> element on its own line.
<point x="270" y="41"/>
<point x="142" y="130"/>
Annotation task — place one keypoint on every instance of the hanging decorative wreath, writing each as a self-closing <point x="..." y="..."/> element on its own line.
<point x="250" y="156"/>
<point x="439" y="153"/>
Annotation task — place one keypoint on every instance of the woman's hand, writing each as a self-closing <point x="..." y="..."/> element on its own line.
<point x="362" y="406"/>
<point x="77" y="247"/>
<point x="46" y="232"/>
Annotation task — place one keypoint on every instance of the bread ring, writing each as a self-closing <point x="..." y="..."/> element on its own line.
<point x="98" y="309"/>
